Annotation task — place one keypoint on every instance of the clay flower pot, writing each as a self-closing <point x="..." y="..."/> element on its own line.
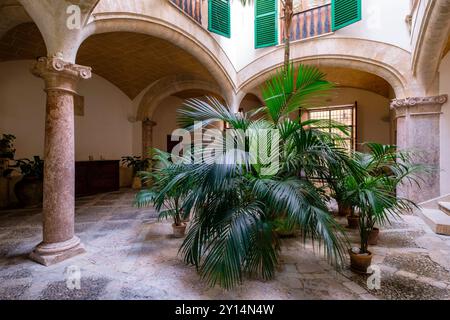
<point x="179" y="231"/>
<point x="373" y="237"/>
<point x="360" y="262"/>
<point x="353" y="222"/>
<point x="137" y="183"/>
<point x="344" y="210"/>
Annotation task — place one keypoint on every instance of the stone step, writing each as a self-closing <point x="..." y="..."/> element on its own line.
<point x="438" y="221"/>
<point x="445" y="207"/>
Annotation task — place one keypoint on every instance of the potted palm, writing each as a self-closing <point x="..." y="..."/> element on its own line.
<point x="29" y="190"/>
<point x="393" y="167"/>
<point x="168" y="204"/>
<point x="137" y="164"/>
<point x="237" y="204"/>
<point x="374" y="195"/>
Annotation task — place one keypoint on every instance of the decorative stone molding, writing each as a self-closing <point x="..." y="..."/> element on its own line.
<point x="59" y="74"/>
<point x="411" y="102"/>
<point x="417" y="127"/>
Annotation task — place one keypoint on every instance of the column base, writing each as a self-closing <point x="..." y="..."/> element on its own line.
<point x="48" y="254"/>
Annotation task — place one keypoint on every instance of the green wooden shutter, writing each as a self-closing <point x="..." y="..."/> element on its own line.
<point x="345" y="12"/>
<point x="266" y="23"/>
<point x="219" y="17"/>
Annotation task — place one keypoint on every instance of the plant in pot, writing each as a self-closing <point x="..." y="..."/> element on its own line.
<point x="376" y="204"/>
<point x="138" y="165"/>
<point x="29" y="190"/>
<point x="168" y="204"/>
<point x="236" y="201"/>
<point x="393" y="167"/>
<point x="7" y="152"/>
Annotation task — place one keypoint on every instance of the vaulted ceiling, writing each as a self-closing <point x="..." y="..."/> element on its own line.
<point x="130" y="61"/>
<point x="133" y="61"/>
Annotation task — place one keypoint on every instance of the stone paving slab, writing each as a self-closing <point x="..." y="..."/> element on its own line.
<point x="130" y="255"/>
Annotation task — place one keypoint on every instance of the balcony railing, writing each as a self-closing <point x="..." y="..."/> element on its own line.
<point x="310" y="23"/>
<point x="192" y="8"/>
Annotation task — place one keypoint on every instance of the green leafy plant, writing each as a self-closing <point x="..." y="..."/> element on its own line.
<point x="7" y="150"/>
<point x="136" y="163"/>
<point x="236" y="205"/>
<point x="374" y="193"/>
<point x="170" y="204"/>
<point x="31" y="168"/>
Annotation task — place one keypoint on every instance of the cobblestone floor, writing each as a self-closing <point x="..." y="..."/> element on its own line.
<point x="132" y="256"/>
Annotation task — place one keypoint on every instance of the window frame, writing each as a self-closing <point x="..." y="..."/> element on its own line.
<point x="353" y="127"/>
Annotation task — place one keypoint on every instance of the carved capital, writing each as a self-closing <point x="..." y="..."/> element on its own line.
<point x="148" y="122"/>
<point x="417" y="101"/>
<point x="417" y="106"/>
<point x="59" y="74"/>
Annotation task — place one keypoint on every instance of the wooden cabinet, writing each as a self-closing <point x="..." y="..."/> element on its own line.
<point x="92" y="177"/>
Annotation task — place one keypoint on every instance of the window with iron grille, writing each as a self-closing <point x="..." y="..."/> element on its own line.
<point x="343" y="115"/>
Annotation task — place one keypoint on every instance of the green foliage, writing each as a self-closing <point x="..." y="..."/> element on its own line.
<point x="237" y="205"/>
<point x="31" y="168"/>
<point x="169" y="204"/>
<point x="373" y="193"/>
<point x="137" y="163"/>
<point x="7" y="150"/>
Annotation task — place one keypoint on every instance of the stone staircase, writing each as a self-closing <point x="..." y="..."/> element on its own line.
<point x="436" y="214"/>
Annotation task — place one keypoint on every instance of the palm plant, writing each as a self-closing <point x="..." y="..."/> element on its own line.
<point x="374" y="193"/>
<point x="169" y="206"/>
<point x="236" y="202"/>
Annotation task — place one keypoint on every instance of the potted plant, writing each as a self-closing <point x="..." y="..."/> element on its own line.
<point x="137" y="164"/>
<point x="7" y="150"/>
<point x="376" y="203"/>
<point x="29" y="190"/>
<point x="168" y="204"/>
<point x="393" y="167"/>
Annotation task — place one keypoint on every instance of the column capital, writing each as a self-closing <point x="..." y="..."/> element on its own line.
<point x="416" y="101"/>
<point x="59" y="74"/>
<point x="149" y="122"/>
<point x="418" y="105"/>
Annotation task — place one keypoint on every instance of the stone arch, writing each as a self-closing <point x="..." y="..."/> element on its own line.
<point x="168" y="86"/>
<point x="386" y="61"/>
<point x="186" y="35"/>
<point x="432" y="38"/>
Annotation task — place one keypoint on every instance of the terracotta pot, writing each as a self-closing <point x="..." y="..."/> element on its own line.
<point x="353" y="222"/>
<point x="344" y="210"/>
<point x="360" y="262"/>
<point x="179" y="231"/>
<point x="29" y="192"/>
<point x="137" y="183"/>
<point x="373" y="237"/>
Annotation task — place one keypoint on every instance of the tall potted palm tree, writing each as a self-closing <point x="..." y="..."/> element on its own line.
<point x="374" y="193"/>
<point x="236" y="201"/>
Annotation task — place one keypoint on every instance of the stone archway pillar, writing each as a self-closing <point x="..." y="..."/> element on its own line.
<point x="147" y="136"/>
<point x="59" y="240"/>
<point x="418" y="129"/>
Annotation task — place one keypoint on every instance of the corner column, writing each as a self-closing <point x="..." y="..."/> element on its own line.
<point x="59" y="240"/>
<point x="147" y="136"/>
<point x="418" y="121"/>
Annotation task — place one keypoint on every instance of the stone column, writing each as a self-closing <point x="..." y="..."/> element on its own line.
<point x="59" y="240"/>
<point x="147" y="136"/>
<point x="418" y="129"/>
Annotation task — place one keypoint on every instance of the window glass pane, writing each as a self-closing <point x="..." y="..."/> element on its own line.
<point x="342" y="115"/>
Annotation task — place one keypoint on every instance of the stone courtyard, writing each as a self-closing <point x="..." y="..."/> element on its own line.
<point x="130" y="255"/>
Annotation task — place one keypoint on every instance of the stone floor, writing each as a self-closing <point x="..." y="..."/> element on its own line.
<point x="132" y="256"/>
